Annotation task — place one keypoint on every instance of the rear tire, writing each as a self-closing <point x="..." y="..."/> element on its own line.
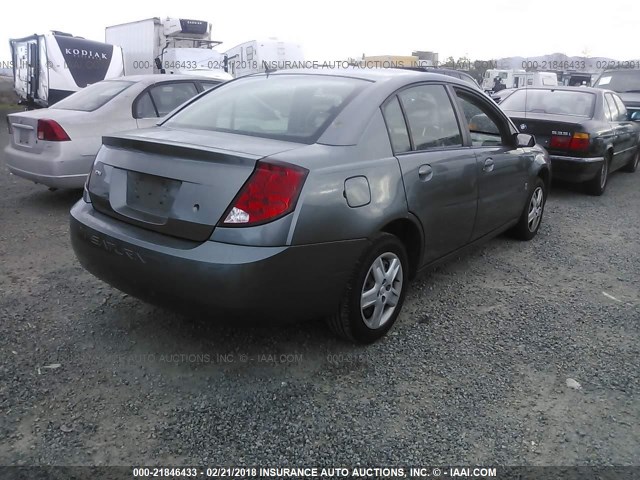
<point x="632" y="166"/>
<point x="531" y="218"/>
<point x="598" y="185"/>
<point x="375" y="293"/>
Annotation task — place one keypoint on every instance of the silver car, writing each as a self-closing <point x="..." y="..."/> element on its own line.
<point x="299" y="194"/>
<point x="56" y="146"/>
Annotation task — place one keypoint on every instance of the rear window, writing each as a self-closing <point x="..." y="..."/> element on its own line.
<point x="295" y="108"/>
<point x="621" y="81"/>
<point x="554" y="102"/>
<point x="94" y="96"/>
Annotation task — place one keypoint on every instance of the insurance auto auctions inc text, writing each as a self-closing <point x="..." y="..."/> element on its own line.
<point x="378" y="472"/>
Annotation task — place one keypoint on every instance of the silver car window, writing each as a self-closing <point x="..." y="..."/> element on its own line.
<point x="483" y="128"/>
<point x="167" y="97"/>
<point x="94" y="96"/>
<point x="396" y="126"/>
<point x="290" y="107"/>
<point x="432" y="120"/>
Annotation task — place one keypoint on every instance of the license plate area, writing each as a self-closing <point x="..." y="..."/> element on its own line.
<point x="150" y="193"/>
<point x="23" y="136"/>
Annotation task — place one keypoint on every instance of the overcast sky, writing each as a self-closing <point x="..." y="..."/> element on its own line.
<point x="331" y="29"/>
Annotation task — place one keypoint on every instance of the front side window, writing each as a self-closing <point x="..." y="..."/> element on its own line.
<point x="432" y="120"/>
<point x="94" y="96"/>
<point x="293" y="107"/>
<point x="483" y="127"/>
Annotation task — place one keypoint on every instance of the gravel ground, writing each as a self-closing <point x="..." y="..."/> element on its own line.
<point x="474" y="372"/>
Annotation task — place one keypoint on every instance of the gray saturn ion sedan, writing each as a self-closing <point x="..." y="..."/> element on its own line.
<point x="301" y="194"/>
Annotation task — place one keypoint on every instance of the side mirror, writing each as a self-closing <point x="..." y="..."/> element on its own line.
<point x="524" y="140"/>
<point x="634" y="116"/>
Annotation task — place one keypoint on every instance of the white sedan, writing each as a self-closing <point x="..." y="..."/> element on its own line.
<point x="56" y="146"/>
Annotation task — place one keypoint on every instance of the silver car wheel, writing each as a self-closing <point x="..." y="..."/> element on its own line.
<point x="381" y="290"/>
<point x="603" y="173"/>
<point x="535" y="209"/>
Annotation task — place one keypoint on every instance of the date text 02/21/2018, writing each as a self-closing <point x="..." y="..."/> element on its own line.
<point x="581" y="65"/>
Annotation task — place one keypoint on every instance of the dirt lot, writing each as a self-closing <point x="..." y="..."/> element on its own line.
<point x="475" y="372"/>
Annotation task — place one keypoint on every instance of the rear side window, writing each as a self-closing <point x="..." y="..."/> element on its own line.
<point x="94" y="96"/>
<point x="622" y="110"/>
<point x="144" y="107"/>
<point x="289" y="107"/>
<point x="432" y="120"/>
<point x="612" y="107"/>
<point x="167" y="97"/>
<point x="396" y="126"/>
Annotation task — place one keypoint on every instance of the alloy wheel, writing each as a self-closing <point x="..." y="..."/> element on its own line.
<point x="381" y="290"/>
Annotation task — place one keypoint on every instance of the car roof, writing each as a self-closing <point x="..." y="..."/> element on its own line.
<point x="565" y="88"/>
<point x="160" y="77"/>
<point x="371" y="74"/>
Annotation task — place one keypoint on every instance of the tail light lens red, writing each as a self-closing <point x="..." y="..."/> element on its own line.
<point x="578" y="142"/>
<point x="271" y="192"/>
<point x="51" y="131"/>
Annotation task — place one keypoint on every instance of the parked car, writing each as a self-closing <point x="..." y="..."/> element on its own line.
<point x="500" y="95"/>
<point x="296" y="195"/>
<point x="56" y="146"/>
<point x="626" y="83"/>
<point x="587" y="131"/>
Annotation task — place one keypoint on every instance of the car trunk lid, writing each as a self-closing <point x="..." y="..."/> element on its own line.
<point x="544" y="126"/>
<point x="25" y="127"/>
<point x="176" y="182"/>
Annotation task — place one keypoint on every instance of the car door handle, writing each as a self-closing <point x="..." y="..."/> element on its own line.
<point x="425" y="173"/>
<point x="488" y="165"/>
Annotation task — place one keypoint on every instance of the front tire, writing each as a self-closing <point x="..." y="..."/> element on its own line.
<point x="375" y="293"/>
<point x="531" y="218"/>
<point x="598" y="185"/>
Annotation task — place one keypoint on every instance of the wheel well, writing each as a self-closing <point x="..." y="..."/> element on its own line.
<point x="544" y="175"/>
<point x="409" y="235"/>
<point x="608" y="155"/>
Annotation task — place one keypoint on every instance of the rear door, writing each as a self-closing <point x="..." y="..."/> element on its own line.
<point x="439" y="173"/>
<point x="500" y="166"/>
<point x="626" y="133"/>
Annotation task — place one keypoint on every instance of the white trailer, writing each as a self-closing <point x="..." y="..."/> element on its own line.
<point x="518" y="78"/>
<point x="52" y="66"/>
<point x="257" y="56"/>
<point x="172" y="45"/>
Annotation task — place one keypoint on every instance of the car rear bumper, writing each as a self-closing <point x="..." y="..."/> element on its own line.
<point x="277" y="283"/>
<point x="52" y="171"/>
<point x="575" y="169"/>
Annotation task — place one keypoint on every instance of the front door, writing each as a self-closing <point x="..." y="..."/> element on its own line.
<point x="500" y="166"/>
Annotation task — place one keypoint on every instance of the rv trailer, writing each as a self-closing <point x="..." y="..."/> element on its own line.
<point x="52" y="66"/>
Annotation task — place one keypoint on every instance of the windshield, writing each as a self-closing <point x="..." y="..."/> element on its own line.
<point x="94" y="96"/>
<point x="620" y="81"/>
<point x="285" y="107"/>
<point x="554" y="102"/>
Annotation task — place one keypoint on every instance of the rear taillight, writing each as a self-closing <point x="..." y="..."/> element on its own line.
<point x="580" y="142"/>
<point x="51" y="131"/>
<point x="9" y="127"/>
<point x="271" y="192"/>
<point x="577" y="142"/>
